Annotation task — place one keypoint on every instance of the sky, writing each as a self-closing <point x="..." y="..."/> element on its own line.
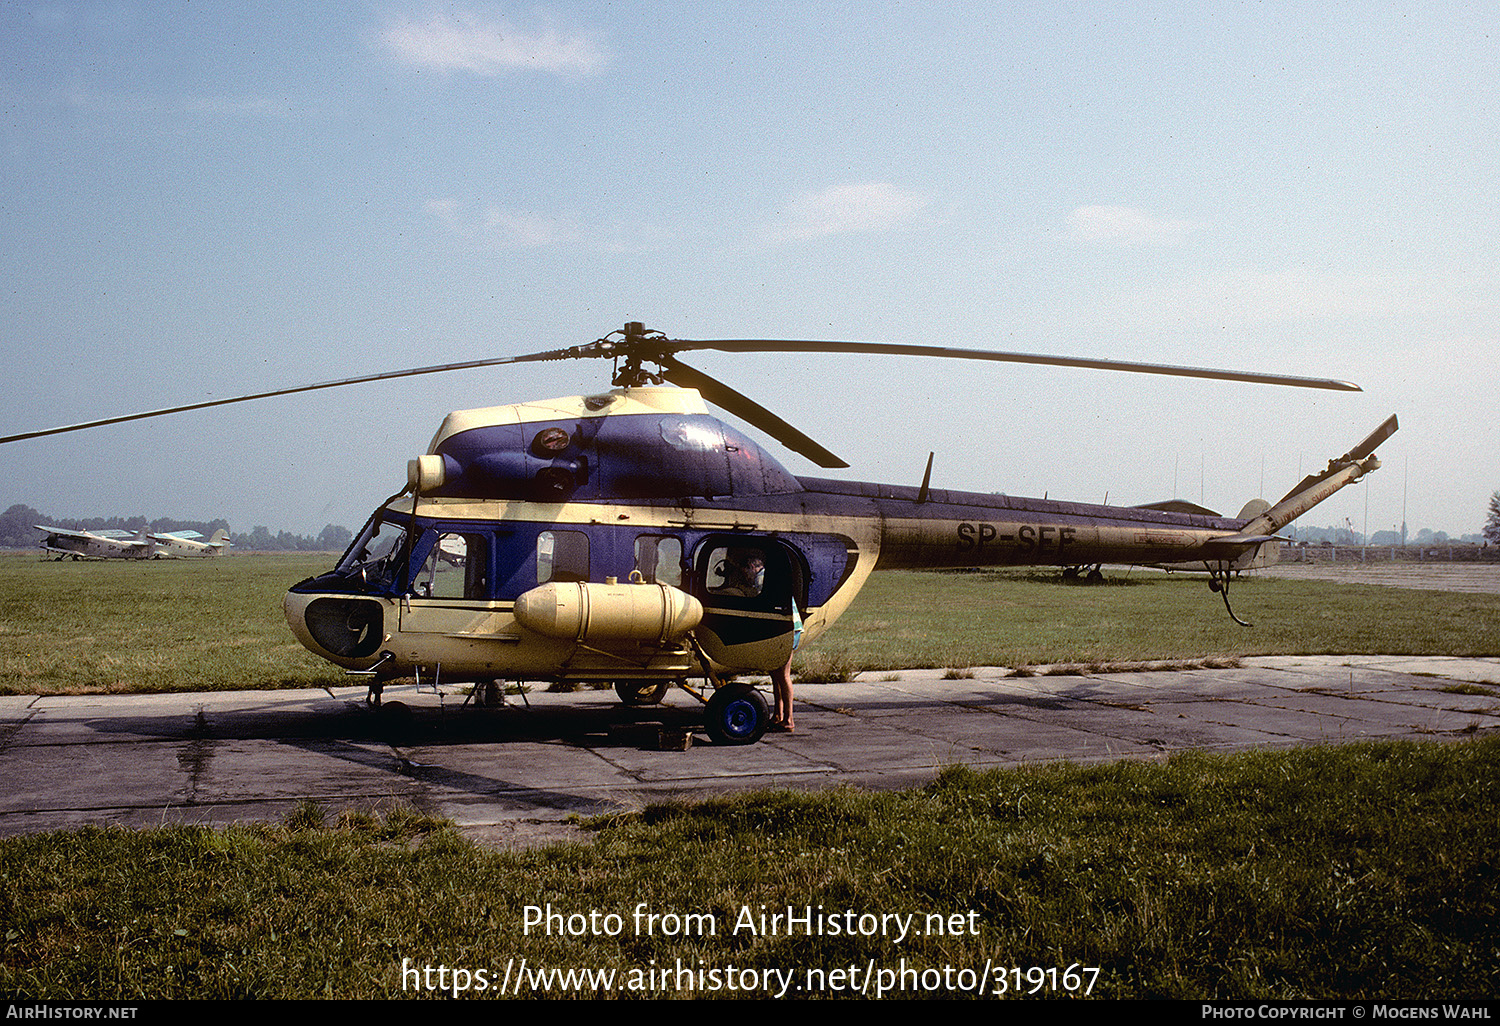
<point x="210" y="199"/>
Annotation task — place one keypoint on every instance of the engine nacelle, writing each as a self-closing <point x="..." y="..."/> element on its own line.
<point x="611" y="612"/>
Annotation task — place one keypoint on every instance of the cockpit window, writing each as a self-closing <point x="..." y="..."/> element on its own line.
<point x="456" y="567"/>
<point x="376" y="554"/>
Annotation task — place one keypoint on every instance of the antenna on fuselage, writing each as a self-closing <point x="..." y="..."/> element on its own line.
<point x="926" y="480"/>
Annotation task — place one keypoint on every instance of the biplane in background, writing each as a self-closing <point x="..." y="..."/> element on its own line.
<point x="64" y="543"/>
<point x="190" y="544"/>
<point x="629" y="537"/>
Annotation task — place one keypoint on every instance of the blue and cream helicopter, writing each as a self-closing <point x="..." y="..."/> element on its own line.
<point x="629" y="537"/>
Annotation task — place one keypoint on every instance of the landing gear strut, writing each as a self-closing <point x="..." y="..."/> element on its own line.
<point x="1086" y="574"/>
<point x="735" y="714"/>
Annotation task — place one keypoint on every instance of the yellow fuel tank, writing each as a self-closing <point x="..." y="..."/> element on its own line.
<point x="601" y="613"/>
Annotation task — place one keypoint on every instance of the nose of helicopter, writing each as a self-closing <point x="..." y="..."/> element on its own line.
<point x="294" y="608"/>
<point x="343" y="629"/>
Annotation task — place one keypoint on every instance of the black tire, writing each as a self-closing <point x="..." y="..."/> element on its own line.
<point x="642" y="692"/>
<point x="397" y="721"/>
<point x="736" y="715"/>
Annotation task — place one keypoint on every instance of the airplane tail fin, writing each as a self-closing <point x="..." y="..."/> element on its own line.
<point x="219" y="542"/>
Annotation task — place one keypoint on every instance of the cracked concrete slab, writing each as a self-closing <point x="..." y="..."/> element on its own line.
<point x="520" y="775"/>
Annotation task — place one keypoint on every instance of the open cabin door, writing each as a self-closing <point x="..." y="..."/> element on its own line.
<point x="747" y="585"/>
<point x="450" y="588"/>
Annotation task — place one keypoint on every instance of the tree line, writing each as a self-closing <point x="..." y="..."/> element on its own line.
<point x="17" y="531"/>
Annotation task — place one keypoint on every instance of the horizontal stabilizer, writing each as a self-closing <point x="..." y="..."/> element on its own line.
<point x="1236" y="543"/>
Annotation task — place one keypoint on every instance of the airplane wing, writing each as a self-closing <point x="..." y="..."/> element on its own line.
<point x="65" y="532"/>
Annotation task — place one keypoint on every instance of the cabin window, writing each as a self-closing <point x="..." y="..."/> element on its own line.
<point x="562" y="556"/>
<point x="456" y="568"/>
<point x="659" y="559"/>
<point x="736" y="571"/>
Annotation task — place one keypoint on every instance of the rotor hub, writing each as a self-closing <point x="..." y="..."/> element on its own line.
<point x="635" y="346"/>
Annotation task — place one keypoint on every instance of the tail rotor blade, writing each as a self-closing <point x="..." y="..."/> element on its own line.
<point x="1374" y="439"/>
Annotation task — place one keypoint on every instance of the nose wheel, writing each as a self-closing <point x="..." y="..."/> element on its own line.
<point x="736" y="715"/>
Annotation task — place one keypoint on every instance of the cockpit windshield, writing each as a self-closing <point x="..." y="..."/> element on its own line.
<point x="376" y="555"/>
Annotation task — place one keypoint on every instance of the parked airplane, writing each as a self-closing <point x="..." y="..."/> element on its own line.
<point x="63" y="543"/>
<point x="189" y="544"/>
<point x="96" y="544"/>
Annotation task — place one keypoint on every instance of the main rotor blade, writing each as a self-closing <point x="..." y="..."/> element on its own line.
<point x="752" y="345"/>
<point x="557" y="354"/>
<point x="748" y="410"/>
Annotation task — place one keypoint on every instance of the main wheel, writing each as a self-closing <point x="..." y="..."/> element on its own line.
<point x="642" y="692"/>
<point x="736" y="715"/>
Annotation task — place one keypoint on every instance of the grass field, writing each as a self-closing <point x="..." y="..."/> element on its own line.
<point x="216" y="624"/>
<point x="1361" y="871"/>
<point x="168" y="625"/>
<point x="1020" y="618"/>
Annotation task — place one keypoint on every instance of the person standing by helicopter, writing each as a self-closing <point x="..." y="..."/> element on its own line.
<point x="781" y="688"/>
<point x="781" y="680"/>
<point x="743" y="573"/>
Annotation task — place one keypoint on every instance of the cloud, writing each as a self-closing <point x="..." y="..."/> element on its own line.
<point x="485" y="46"/>
<point x="860" y="207"/>
<point x="507" y="226"/>
<point x="527" y="229"/>
<point x="445" y="210"/>
<point x="512" y="228"/>
<point x="1127" y="226"/>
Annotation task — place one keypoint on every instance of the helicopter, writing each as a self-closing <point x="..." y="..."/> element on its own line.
<point x="630" y="538"/>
